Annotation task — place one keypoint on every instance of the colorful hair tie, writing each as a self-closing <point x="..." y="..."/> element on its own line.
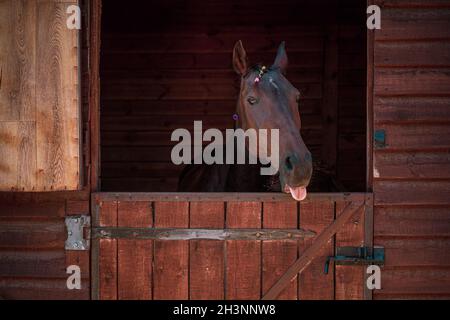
<point x="262" y="71"/>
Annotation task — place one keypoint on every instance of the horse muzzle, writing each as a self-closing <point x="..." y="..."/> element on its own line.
<point x="296" y="174"/>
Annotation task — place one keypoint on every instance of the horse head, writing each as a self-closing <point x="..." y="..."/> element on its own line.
<point x="267" y="100"/>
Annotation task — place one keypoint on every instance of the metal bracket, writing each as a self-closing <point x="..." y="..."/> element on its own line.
<point x="356" y="256"/>
<point x="75" y="226"/>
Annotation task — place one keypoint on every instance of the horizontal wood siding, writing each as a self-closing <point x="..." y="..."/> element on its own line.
<point x="176" y="68"/>
<point x="33" y="261"/>
<point x="412" y="173"/>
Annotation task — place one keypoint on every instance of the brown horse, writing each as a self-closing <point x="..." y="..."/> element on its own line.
<point x="267" y="100"/>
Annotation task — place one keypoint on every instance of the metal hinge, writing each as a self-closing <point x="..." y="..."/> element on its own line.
<point x="356" y="256"/>
<point x="78" y="232"/>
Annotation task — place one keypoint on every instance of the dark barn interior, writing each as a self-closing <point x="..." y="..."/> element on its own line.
<point x="165" y="64"/>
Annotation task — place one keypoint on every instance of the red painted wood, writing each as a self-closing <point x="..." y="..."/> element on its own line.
<point x="135" y="256"/>
<point x="107" y="260"/>
<point x="206" y="259"/>
<point x="279" y="255"/>
<point x="313" y="283"/>
<point x="407" y="222"/>
<point x="411" y="176"/>
<point x="350" y="279"/>
<point x="243" y="264"/>
<point x="171" y="258"/>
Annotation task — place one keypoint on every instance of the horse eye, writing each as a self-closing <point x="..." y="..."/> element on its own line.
<point x="252" y="100"/>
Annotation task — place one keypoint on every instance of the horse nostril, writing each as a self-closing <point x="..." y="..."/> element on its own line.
<point x="289" y="165"/>
<point x="291" y="162"/>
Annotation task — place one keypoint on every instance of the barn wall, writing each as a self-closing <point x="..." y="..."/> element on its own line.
<point x="169" y="63"/>
<point x="32" y="231"/>
<point x="412" y="173"/>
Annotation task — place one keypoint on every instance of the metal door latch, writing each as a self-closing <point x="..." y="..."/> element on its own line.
<point x="77" y="239"/>
<point x="356" y="256"/>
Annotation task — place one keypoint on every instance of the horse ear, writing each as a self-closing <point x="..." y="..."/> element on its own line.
<point x="281" y="60"/>
<point x="239" y="58"/>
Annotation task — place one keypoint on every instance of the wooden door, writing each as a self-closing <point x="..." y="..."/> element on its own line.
<point x="39" y="104"/>
<point x="222" y="246"/>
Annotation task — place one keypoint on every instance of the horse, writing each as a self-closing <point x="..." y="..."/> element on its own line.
<point x="267" y="100"/>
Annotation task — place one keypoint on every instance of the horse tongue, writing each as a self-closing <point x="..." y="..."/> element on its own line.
<point x="298" y="193"/>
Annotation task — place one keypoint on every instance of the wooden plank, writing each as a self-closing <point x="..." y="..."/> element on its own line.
<point x="243" y="258"/>
<point x="413" y="3"/>
<point x="330" y="99"/>
<point x="412" y="54"/>
<point x="229" y="28"/>
<point x="414" y="296"/>
<point x="171" y="234"/>
<point x="40" y="289"/>
<point x="202" y="43"/>
<point x="190" y="91"/>
<point x="17" y="60"/>
<point x="369" y="226"/>
<point x="94" y="91"/>
<point x="137" y="61"/>
<point x="194" y="77"/>
<point x="425" y="222"/>
<point x="414" y="24"/>
<point x="57" y="104"/>
<point x="77" y="207"/>
<point x="225" y="196"/>
<point x="225" y="107"/>
<point x="18" y="209"/>
<point x="412" y="81"/>
<point x="412" y="109"/>
<point x="139" y="169"/>
<point x="107" y="260"/>
<point x="300" y="264"/>
<point x="416" y="137"/>
<point x="171" y="258"/>
<point x="206" y="266"/>
<point x="34" y="198"/>
<point x="34" y="264"/>
<point x="412" y="165"/>
<point x="420" y="192"/>
<point x="404" y="281"/>
<point x="140" y="184"/>
<point x="195" y="19"/>
<point x="135" y="257"/>
<point x="17" y="156"/>
<point x="277" y="256"/>
<point x="350" y="282"/>
<point x="370" y="82"/>
<point x="416" y="252"/>
<point x="313" y="283"/>
<point x="32" y="234"/>
<point x="81" y="259"/>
